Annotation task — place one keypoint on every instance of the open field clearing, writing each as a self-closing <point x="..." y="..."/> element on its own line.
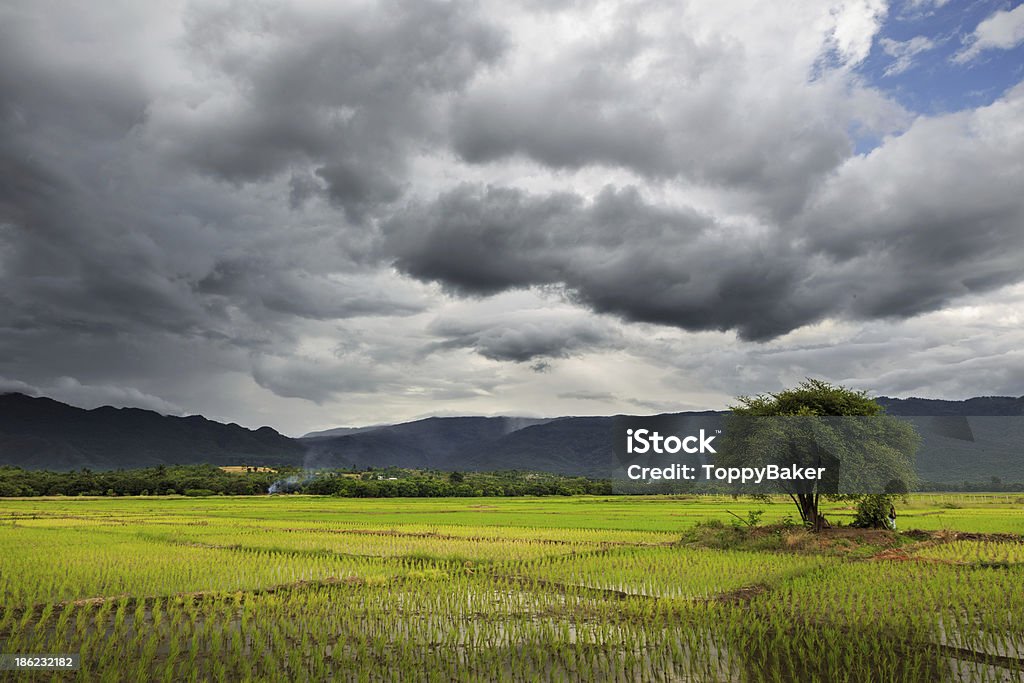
<point x="632" y="589"/>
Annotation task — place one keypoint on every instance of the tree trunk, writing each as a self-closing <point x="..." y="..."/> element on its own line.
<point x="808" y="502"/>
<point x="809" y="513"/>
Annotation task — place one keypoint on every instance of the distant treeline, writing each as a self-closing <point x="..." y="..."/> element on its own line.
<point x="194" y="480"/>
<point x="206" y="480"/>
<point x="405" y="483"/>
<point x="993" y="485"/>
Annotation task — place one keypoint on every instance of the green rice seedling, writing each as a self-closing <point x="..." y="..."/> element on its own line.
<point x="574" y="590"/>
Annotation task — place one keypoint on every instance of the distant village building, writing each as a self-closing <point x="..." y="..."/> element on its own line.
<point x="246" y="469"/>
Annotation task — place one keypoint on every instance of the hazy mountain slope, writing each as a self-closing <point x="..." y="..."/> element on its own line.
<point x="955" y="449"/>
<point x="971" y="440"/>
<point x="981" y="406"/>
<point x="436" y="442"/>
<point x="570" y="445"/>
<point x="41" y="432"/>
<point x="341" y="431"/>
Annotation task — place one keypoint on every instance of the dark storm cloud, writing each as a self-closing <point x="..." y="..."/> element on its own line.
<point x="215" y="196"/>
<point x="308" y="295"/>
<point x="617" y="254"/>
<point x="526" y="336"/>
<point x="934" y="215"/>
<point x="77" y="248"/>
<point x="690" y="110"/>
<point x="297" y="376"/>
<point x="903" y="231"/>
<point x="343" y="91"/>
<point x="84" y="87"/>
<point x="112" y="248"/>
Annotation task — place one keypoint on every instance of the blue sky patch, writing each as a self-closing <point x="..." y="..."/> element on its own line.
<point x="931" y="57"/>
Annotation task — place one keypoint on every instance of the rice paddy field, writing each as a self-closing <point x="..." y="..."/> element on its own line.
<point x="564" y="589"/>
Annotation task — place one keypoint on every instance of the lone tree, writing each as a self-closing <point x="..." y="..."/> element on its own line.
<point x="801" y="426"/>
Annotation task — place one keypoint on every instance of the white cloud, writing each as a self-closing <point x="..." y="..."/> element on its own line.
<point x="1003" y="30"/>
<point x="857" y="22"/>
<point x="17" y="386"/>
<point x="904" y="52"/>
<point x="924" y="4"/>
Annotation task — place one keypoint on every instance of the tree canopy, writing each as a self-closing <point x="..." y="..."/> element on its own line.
<point x="815" y="424"/>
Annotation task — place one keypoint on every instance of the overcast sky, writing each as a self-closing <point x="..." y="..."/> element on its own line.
<point x="345" y="213"/>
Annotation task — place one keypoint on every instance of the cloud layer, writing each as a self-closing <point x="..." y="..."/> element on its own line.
<point x="316" y="214"/>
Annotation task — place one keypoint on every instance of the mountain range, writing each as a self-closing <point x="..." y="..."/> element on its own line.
<point x="962" y="440"/>
<point x="37" y="433"/>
